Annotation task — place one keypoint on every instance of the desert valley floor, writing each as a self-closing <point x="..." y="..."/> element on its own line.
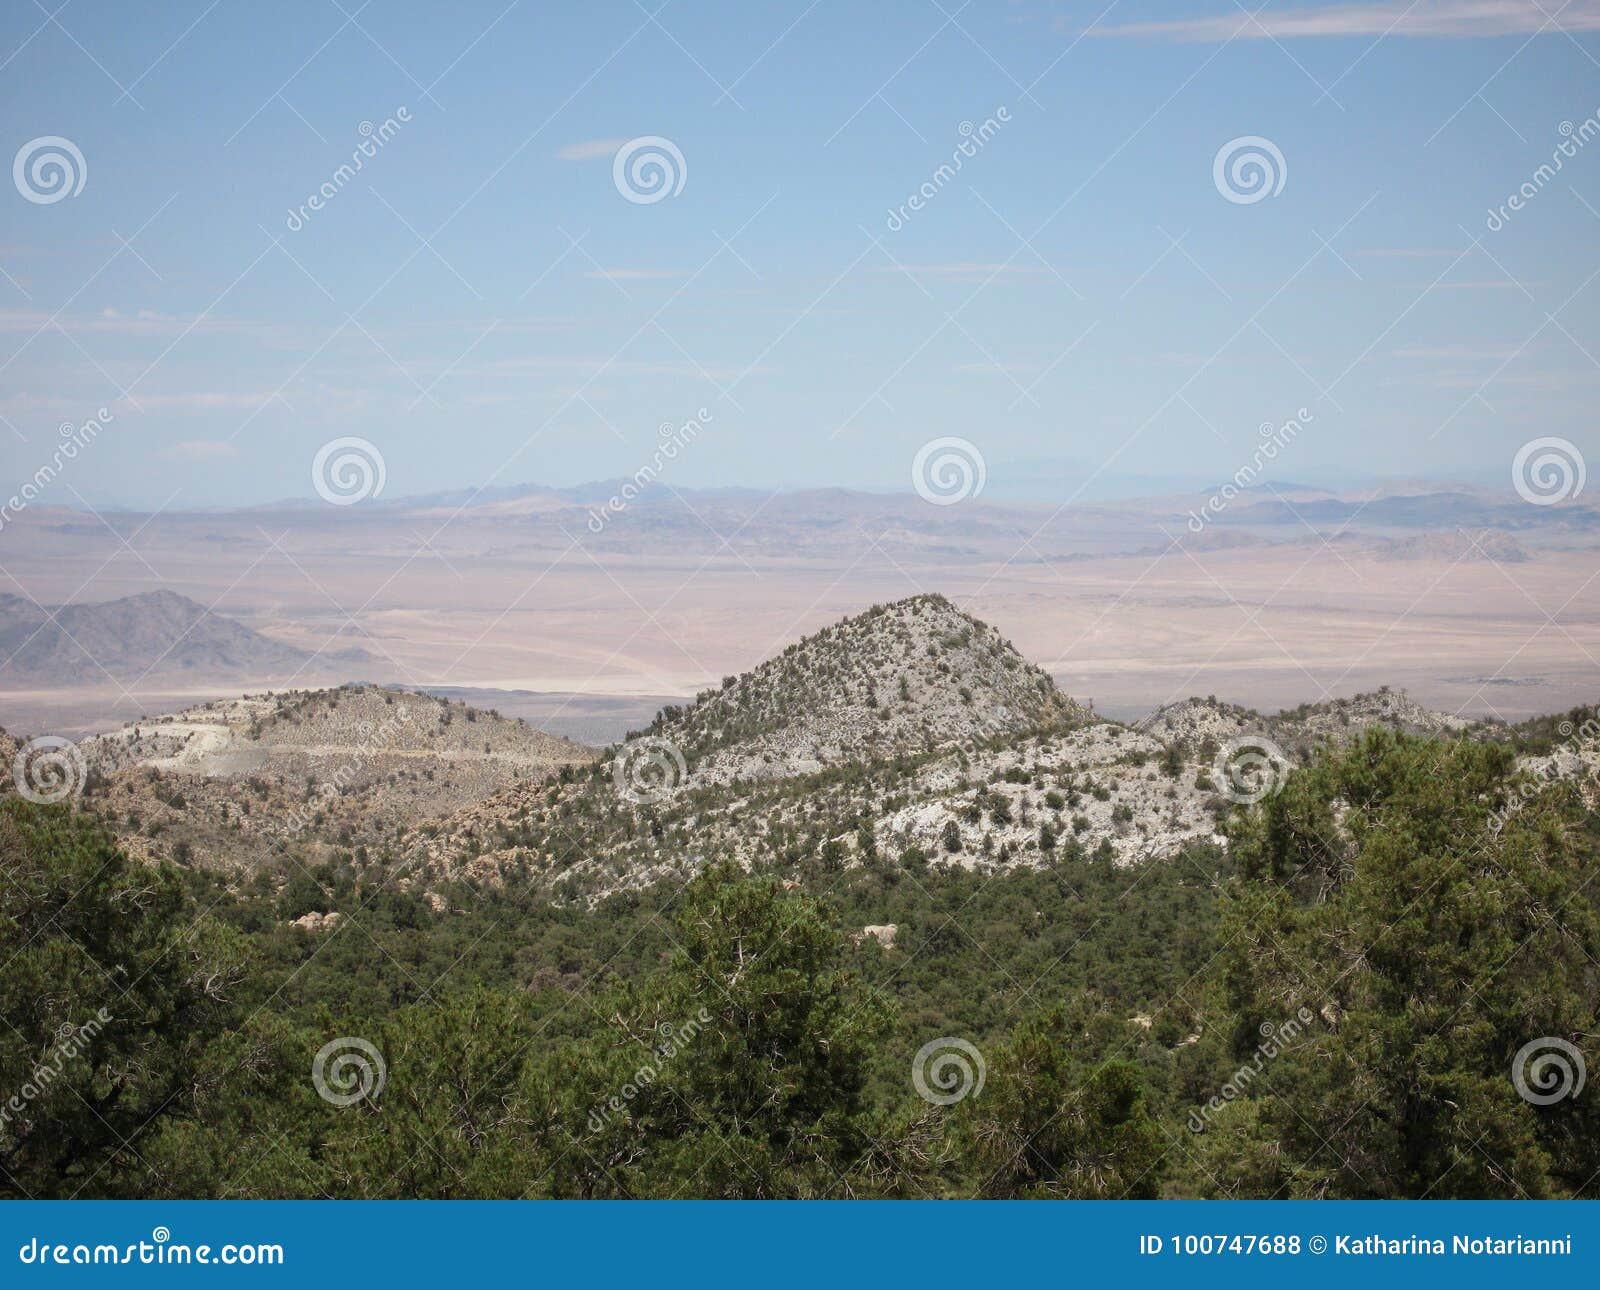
<point x="519" y="605"/>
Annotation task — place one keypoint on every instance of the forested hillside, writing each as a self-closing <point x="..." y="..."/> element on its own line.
<point x="1335" y="1003"/>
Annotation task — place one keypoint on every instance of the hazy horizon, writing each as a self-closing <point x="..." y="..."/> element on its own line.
<point x="1024" y="482"/>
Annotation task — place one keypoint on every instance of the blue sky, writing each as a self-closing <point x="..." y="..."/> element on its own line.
<point x="484" y="305"/>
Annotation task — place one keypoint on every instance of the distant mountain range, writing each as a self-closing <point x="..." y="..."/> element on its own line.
<point x="154" y="635"/>
<point x="1421" y="511"/>
<point x="1407" y="502"/>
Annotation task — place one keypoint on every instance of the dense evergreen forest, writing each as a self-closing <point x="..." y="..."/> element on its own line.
<point x="1334" y="1005"/>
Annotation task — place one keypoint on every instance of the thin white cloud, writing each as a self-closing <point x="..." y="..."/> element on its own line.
<point x="76" y="406"/>
<point x="1544" y="382"/>
<point x="201" y="450"/>
<point x="1458" y="18"/>
<point x="1491" y="284"/>
<point x="613" y="366"/>
<point x="959" y="269"/>
<point x="1468" y="353"/>
<point x="634" y="275"/>
<point x="1407" y="253"/>
<point x="144" y="322"/>
<point x="997" y="369"/>
<point x="200" y="400"/>
<point x="590" y="149"/>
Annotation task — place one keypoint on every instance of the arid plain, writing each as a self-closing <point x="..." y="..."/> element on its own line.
<point x="1474" y="602"/>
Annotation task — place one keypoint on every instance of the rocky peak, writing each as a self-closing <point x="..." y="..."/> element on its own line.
<point x="900" y="677"/>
